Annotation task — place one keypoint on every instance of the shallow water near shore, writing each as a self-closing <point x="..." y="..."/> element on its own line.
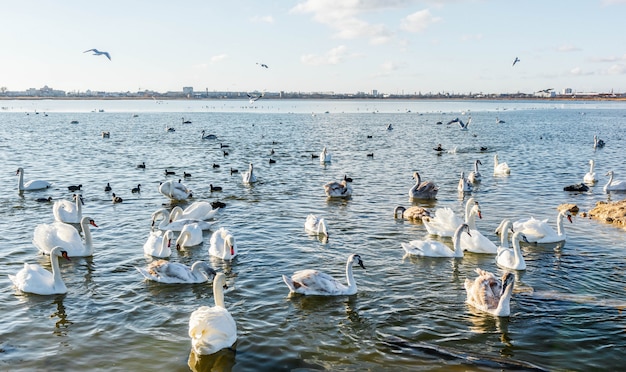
<point x="409" y="313"/>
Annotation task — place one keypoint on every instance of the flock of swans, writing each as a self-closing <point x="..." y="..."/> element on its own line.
<point x="213" y="328"/>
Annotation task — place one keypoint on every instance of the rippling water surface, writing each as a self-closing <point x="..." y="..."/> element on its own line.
<point x="408" y="314"/>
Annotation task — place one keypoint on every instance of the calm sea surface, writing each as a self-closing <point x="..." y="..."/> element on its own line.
<point x="567" y="312"/>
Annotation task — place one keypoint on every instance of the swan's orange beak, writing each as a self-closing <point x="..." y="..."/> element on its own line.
<point x="64" y="254"/>
<point x="480" y="215"/>
<point x="232" y="250"/>
<point x="93" y="223"/>
<point x="169" y="242"/>
<point x="569" y="217"/>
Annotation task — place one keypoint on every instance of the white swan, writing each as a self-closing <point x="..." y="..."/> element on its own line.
<point x="597" y="143"/>
<point x="171" y="220"/>
<point x="422" y="190"/>
<point x="163" y="271"/>
<point x="490" y="294"/>
<point x="464" y="184"/>
<point x="325" y="156"/>
<point x="511" y="258"/>
<point x="475" y="176"/>
<point x="537" y="231"/>
<point x="213" y="328"/>
<point x="68" y="212"/>
<point x="33" y="278"/>
<point x="223" y="244"/>
<point x="175" y="190"/>
<point x="444" y="223"/>
<point x="159" y="244"/>
<point x="249" y="176"/>
<point x="190" y="235"/>
<point x="316" y="225"/>
<point x="199" y="210"/>
<point x="30" y="185"/>
<point x="617" y="185"/>
<point x="336" y="189"/>
<point x="590" y="177"/>
<point x="434" y="248"/>
<point x="48" y="236"/>
<point x="314" y="282"/>
<point x="476" y="242"/>
<point x="500" y="169"/>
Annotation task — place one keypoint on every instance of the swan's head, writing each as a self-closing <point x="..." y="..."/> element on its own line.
<point x="176" y="211"/>
<point x="355" y="258"/>
<point x="19" y="170"/>
<point x="80" y="197"/>
<point x="59" y="252"/>
<point x="519" y="236"/>
<point x="220" y="281"/>
<point x="479" y="162"/>
<point x="476" y="209"/>
<point x="609" y="173"/>
<point x="508" y="279"/>
<point x="464" y="228"/>
<point x="230" y="242"/>
<point x="88" y="221"/>
<point x="568" y="215"/>
<point x="399" y="209"/>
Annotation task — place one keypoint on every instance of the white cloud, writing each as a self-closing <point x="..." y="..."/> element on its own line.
<point x="617" y="70"/>
<point x="219" y="58"/>
<point x="418" y="21"/>
<point x="332" y="57"/>
<point x="262" y="19"/>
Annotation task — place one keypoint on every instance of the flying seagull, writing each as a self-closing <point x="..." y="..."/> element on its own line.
<point x="96" y="52"/>
<point x="262" y="65"/>
<point x="253" y="99"/>
<point x="516" y="60"/>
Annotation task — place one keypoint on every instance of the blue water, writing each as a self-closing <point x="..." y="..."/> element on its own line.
<point x="409" y="313"/>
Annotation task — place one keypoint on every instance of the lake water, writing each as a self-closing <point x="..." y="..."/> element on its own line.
<point x="567" y="312"/>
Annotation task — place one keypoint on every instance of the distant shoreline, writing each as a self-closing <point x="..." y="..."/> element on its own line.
<point x="346" y="98"/>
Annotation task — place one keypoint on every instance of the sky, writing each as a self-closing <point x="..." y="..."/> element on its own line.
<point x="338" y="46"/>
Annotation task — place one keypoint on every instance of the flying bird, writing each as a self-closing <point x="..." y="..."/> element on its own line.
<point x="262" y="65"/>
<point x="96" y="52"/>
<point x="515" y="61"/>
<point x="253" y="98"/>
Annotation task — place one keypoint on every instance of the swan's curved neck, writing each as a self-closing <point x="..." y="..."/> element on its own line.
<point x="87" y="234"/>
<point x="470" y="219"/>
<point x="182" y="239"/>
<point x="350" y="277"/>
<point x="218" y="295"/>
<point x="517" y="252"/>
<point x="79" y="206"/>
<point x="56" y="271"/>
<point x="476" y="166"/>
<point x="504" y="237"/>
<point x="559" y="225"/>
<point x="20" y="181"/>
<point x="591" y="166"/>
<point x="418" y="179"/>
<point x="495" y="160"/>
<point x="456" y="242"/>
<point x="608" y="184"/>
<point x="165" y="242"/>
<point x="504" y="305"/>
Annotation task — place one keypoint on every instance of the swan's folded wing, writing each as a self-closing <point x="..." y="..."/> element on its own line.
<point x="212" y="329"/>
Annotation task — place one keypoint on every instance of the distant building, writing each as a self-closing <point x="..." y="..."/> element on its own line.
<point x="188" y="91"/>
<point x="567" y="92"/>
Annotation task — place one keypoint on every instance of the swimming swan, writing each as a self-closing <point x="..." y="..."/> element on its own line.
<point x="213" y="328"/>
<point x="617" y="185"/>
<point x="511" y="258"/>
<point x="315" y="225"/>
<point x="171" y="220"/>
<point x="223" y="244"/>
<point x="163" y="271"/>
<point x="464" y="184"/>
<point x="537" y="231"/>
<point x="68" y="212"/>
<point x="35" y="279"/>
<point x="175" y="190"/>
<point x="500" y="169"/>
<point x="490" y="294"/>
<point x="48" y="236"/>
<point x="434" y="248"/>
<point x="158" y="244"/>
<point x="199" y="210"/>
<point x="475" y="176"/>
<point x="249" y="176"/>
<point x="476" y="242"/>
<point x="423" y="190"/>
<point x="30" y="185"/>
<point x="336" y="189"/>
<point x="445" y="222"/>
<point x="190" y="235"/>
<point x="590" y="177"/>
<point x="413" y="213"/>
<point x="314" y="282"/>
<point x="325" y="156"/>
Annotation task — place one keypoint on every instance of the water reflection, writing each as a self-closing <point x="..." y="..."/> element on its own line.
<point x="484" y="323"/>
<point x="61" y="327"/>
<point x="223" y="360"/>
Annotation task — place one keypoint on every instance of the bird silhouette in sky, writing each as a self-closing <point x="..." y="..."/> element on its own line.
<point x="515" y="61"/>
<point x="96" y="52"/>
<point x="262" y="65"/>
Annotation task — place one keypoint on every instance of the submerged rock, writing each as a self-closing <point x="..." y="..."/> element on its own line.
<point x="613" y="213"/>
